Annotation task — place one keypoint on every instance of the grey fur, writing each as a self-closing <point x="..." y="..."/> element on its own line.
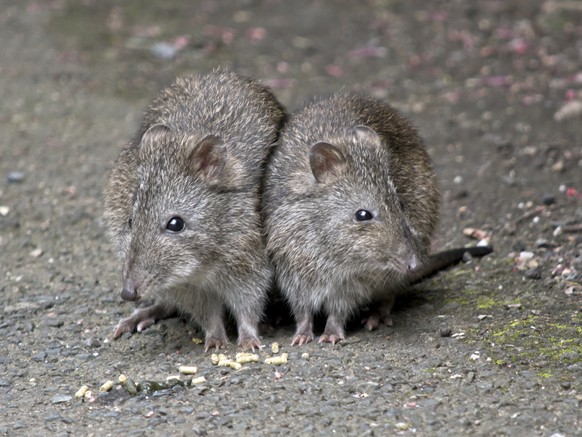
<point x="333" y="158"/>
<point x="199" y="154"/>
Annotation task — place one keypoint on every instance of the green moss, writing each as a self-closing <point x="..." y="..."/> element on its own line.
<point x="485" y="303"/>
<point x="537" y="342"/>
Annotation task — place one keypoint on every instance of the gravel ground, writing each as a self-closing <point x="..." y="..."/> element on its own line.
<point x="492" y="347"/>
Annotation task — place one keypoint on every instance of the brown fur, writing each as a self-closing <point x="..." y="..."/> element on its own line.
<point x="198" y="155"/>
<point x="333" y="158"/>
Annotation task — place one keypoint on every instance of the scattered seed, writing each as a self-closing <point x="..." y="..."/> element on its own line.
<point x="197" y="340"/>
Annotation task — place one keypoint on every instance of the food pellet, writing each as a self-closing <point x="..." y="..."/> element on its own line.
<point x="198" y="380"/>
<point x="81" y="392"/>
<point x="108" y="385"/>
<point x="244" y="358"/>
<point x="280" y="359"/>
<point x="187" y="370"/>
<point x="275" y="348"/>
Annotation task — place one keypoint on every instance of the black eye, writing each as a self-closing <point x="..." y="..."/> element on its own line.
<point x="129" y="223"/>
<point x="175" y="224"/>
<point x="363" y="216"/>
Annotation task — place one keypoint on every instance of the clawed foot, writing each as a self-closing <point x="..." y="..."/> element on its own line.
<point x="334" y="330"/>
<point x="304" y="331"/>
<point x="142" y="319"/>
<point x="301" y="339"/>
<point x="373" y="321"/>
<point x="214" y="343"/>
<point x="250" y="344"/>
<point x="332" y="337"/>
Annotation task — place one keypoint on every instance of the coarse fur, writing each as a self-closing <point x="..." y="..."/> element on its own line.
<point x="334" y="158"/>
<point x="198" y="156"/>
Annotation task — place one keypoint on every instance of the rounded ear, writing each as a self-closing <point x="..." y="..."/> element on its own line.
<point x="154" y="133"/>
<point x="365" y="134"/>
<point x="327" y="162"/>
<point x="207" y="156"/>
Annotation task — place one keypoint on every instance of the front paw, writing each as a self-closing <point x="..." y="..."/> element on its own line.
<point x="332" y="337"/>
<point x="215" y="343"/>
<point x="250" y="343"/>
<point x="136" y="322"/>
<point x="302" y="338"/>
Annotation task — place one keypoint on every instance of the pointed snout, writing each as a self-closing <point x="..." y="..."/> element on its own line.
<point x="129" y="291"/>
<point x="411" y="262"/>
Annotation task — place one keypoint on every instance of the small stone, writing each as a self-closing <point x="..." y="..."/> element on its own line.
<point x="4" y="210"/>
<point x="92" y="342"/>
<point x="548" y="200"/>
<point x="557" y="232"/>
<point x="471" y="376"/>
<point x="534" y="273"/>
<point x="467" y="257"/>
<point x="445" y="330"/>
<point x="36" y="253"/>
<point x="570" y="109"/>
<point x="39" y="357"/>
<point x="15" y="177"/>
<point x="4" y="382"/>
<point x="543" y="243"/>
<point x="164" y="50"/>
<point x="54" y="322"/>
<point x="60" y="399"/>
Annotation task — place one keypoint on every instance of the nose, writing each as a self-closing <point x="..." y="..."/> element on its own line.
<point x="411" y="263"/>
<point x="129" y="292"/>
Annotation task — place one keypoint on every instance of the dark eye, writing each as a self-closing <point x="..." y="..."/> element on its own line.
<point x="175" y="224"/>
<point x="363" y="215"/>
<point x="129" y="223"/>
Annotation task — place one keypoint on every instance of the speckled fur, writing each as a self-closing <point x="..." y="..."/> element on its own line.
<point x="220" y="257"/>
<point x="323" y="258"/>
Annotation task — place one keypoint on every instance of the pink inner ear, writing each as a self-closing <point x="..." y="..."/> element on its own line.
<point x="208" y="156"/>
<point x="327" y="162"/>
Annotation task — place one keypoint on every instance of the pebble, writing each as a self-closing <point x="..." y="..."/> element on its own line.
<point x="164" y="50"/>
<point x="54" y="322"/>
<point x="60" y="399"/>
<point x="548" y="200"/>
<point x="39" y="357"/>
<point x="445" y="330"/>
<point x="36" y="253"/>
<point x="535" y="273"/>
<point x="92" y="342"/>
<point x="543" y="243"/>
<point x="15" y="177"/>
<point x="571" y="109"/>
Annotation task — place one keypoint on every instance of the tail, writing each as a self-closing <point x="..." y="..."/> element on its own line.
<point x="441" y="260"/>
